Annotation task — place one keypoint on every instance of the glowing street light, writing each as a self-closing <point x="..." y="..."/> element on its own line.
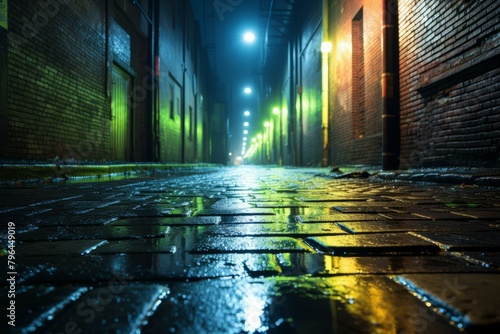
<point x="246" y="124"/>
<point x="245" y="132"/>
<point x="246" y="113"/>
<point x="247" y="90"/>
<point x="249" y="37"/>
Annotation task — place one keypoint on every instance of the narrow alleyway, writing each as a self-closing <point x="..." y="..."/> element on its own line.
<point x="251" y="250"/>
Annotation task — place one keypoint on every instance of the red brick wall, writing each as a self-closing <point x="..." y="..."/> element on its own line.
<point x="450" y="87"/>
<point x="351" y="141"/>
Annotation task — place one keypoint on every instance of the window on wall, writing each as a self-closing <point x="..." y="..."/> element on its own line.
<point x="172" y="110"/>
<point x="358" y="77"/>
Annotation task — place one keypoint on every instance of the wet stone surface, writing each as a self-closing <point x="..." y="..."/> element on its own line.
<point x="254" y="250"/>
<point x="470" y="301"/>
<point x="370" y="243"/>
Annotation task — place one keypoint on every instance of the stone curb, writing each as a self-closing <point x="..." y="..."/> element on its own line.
<point x="48" y="172"/>
<point x="480" y="179"/>
<point x="484" y="177"/>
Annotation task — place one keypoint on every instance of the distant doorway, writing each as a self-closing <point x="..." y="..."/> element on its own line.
<point x="120" y="116"/>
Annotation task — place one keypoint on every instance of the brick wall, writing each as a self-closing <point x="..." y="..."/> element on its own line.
<point x="57" y="104"/>
<point x="61" y="57"/>
<point x="450" y="83"/>
<point x="355" y="125"/>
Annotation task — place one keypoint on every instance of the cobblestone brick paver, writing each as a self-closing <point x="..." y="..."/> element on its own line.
<point x="253" y="250"/>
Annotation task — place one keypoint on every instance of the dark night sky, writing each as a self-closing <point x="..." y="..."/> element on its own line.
<point x="236" y="61"/>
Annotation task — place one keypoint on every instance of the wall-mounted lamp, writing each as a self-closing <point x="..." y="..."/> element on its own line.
<point x="326" y="47"/>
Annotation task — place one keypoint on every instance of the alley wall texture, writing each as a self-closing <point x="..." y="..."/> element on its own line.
<point x="309" y="100"/>
<point x="66" y="62"/>
<point x="449" y="57"/>
<point x="57" y="102"/>
<point x="81" y="79"/>
<point x="355" y="92"/>
<point x="450" y="83"/>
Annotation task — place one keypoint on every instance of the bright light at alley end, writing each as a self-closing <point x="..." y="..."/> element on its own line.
<point x="249" y="37"/>
<point x="247" y="90"/>
<point x="326" y="47"/>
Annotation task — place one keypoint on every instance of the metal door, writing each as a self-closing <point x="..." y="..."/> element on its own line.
<point x="120" y="115"/>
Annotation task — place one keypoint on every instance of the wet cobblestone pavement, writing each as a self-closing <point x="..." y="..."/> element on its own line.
<point x="252" y="250"/>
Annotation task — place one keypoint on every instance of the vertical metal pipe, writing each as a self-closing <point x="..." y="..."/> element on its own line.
<point x="183" y="88"/>
<point x="324" y="85"/>
<point x="390" y="85"/>
<point x="292" y="141"/>
<point x="156" y="73"/>
<point x="150" y="113"/>
<point x="301" y="111"/>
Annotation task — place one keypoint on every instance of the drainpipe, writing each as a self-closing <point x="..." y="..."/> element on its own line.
<point x="390" y="85"/>
<point x="292" y="121"/>
<point x="183" y="89"/>
<point x="326" y="47"/>
<point x="156" y="82"/>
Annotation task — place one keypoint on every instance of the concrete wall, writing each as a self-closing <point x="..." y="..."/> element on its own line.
<point x="293" y="75"/>
<point x="309" y="104"/>
<point x="171" y="33"/>
<point x="185" y="88"/>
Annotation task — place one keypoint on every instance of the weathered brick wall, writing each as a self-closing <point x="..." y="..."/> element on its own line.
<point x="354" y="139"/>
<point x="61" y="57"/>
<point x="450" y="87"/>
<point x="57" y="104"/>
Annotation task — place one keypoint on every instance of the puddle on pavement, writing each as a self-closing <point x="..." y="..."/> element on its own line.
<point x="342" y="304"/>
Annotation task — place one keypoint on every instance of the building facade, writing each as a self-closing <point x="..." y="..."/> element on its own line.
<point x="104" y="81"/>
<point x="409" y="84"/>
